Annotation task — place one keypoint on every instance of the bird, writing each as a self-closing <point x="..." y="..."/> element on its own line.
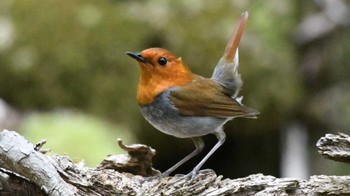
<point x="180" y="103"/>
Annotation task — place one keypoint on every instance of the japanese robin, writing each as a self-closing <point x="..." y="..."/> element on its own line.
<point x="185" y="105"/>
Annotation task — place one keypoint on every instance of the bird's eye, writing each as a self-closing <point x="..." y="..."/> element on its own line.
<point x="162" y="61"/>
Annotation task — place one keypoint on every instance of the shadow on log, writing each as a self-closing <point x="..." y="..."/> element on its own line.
<point x="25" y="170"/>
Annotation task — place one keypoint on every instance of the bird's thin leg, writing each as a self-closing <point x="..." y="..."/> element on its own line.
<point x="199" y="144"/>
<point x="221" y="139"/>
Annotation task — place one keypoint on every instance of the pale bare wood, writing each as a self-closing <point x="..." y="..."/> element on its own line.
<point x="60" y="176"/>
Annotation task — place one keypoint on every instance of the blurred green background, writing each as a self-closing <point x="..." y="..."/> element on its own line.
<point x="64" y="73"/>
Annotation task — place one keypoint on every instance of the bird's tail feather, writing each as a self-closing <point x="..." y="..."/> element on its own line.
<point x="226" y="71"/>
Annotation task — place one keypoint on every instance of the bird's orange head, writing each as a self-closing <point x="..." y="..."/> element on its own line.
<point x="160" y="70"/>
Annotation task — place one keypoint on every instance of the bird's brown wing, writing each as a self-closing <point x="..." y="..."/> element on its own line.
<point x="205" y="97"/>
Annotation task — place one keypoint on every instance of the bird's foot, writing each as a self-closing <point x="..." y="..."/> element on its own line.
<point x="188" y="178"/>
<point x="179" y="178"/>
<point x="158" y="177"/>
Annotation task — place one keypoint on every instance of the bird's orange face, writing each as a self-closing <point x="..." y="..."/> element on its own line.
<point x="160" y="70"/>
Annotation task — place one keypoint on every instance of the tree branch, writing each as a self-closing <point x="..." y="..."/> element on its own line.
<point x="19" y="156"/>
<point x="335" y="147"/>
<point x="121" y="174"/>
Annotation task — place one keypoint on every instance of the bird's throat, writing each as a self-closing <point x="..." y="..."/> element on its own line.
<point x="151" y="86"/>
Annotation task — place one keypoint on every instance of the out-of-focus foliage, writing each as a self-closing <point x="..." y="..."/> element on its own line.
<point x="71" y="54"/>
<point x="75" y="134"/>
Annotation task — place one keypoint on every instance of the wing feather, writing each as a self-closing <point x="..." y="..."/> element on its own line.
<point x="205" y="97"/>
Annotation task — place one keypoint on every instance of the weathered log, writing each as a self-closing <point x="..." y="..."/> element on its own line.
<point x="19" y="156"/>
<point x="335" y="147"/>
<point x="121" y="175"/>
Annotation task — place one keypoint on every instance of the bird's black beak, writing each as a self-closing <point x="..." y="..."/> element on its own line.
<point x="137" y="56"/>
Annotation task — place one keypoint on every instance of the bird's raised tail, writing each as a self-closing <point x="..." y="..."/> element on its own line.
<point x="226" y="71"/>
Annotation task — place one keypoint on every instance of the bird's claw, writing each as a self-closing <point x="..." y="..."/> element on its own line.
<point x="188" y="178"/>
<point x="150" y="178"/>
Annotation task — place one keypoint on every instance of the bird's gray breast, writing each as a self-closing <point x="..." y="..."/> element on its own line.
<point x="164" y="116"/>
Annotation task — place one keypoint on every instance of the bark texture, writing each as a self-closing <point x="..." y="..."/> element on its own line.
<point x="27" y="171"/>
<point x="335" y="147"/>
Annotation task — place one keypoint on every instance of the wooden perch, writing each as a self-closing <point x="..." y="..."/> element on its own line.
<point x="22" y="163"/>
<point x="335" y="147"/>
<point x="19" y="156"/>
